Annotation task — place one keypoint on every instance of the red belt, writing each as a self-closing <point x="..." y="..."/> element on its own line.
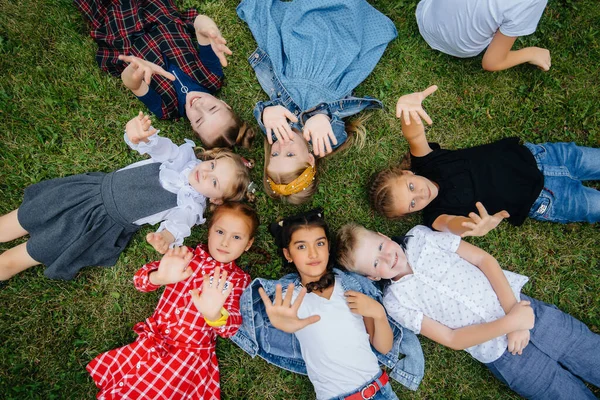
<point x="368" y="391"/>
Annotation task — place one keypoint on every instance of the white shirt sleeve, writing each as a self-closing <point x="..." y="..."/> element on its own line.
<point x="522" y="18"/>
<point x="163" y="150"/>
<point x="408" y="318"/>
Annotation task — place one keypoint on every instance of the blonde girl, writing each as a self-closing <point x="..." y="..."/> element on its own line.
<point x="311" y="55"/>
<point x="86" y="220"/>
<point x="174" y="355"/>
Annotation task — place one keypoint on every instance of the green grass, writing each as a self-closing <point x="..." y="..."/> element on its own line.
<point x="60" y="115"/>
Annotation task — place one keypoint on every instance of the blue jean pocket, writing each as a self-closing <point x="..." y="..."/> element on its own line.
<point x="540" y="209"/>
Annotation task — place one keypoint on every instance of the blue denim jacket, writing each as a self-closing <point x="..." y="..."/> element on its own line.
<point x="257" y="336"/>
<point x="336" y="110"/>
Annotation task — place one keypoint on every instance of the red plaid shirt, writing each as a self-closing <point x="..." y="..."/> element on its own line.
<point x="151" y="30"/>
<point x="174" y="355"/>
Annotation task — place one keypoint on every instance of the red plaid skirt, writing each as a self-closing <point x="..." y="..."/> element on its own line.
<point x="151" y="30"/>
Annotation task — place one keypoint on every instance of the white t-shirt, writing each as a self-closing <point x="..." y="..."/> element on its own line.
<point x="448" y="289"/>
<point x="336" y="350"/>
<point x="464" y="28"/>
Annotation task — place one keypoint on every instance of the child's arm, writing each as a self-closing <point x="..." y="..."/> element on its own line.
<point x="499" y="55"/>
<point x="143" y="138"/>
<point x="208" y="33"/>
<point x="409" y="108"/>
<point x="172" y="268"/>
<point x="375" y="319"/>
<point x="520" y="317"/>
<point x="517" y="340"/>
<point x="473" y="225"/>
<point x="282" y="313"/>
<point x="138" y="74"/>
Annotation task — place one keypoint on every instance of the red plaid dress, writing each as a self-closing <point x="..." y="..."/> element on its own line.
<point x="151" y="30"/>
<point x="174" y="355"/>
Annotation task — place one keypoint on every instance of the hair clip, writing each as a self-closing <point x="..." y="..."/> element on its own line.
<point x="252" y="187"/>
<point x="248" y="164"/>
<point x="280" y="223"/>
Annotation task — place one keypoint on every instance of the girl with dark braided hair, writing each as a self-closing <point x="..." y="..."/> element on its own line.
<point x="309" y="320"/>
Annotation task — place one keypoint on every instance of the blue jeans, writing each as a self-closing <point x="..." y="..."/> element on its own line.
<point x="385" y="393"/>
<point x="564" y="198"/>
<point x="561" y="353"/>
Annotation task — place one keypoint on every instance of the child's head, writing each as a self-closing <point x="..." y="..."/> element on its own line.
<point x="215" y="123"/>
<point x="290" y="170"/>
<point x="221" y="176"/>
<point x="303" y="240"/>
<point x="395" y="192"/>
<point x="369" y="253"/>
<point x="231" y="231"/>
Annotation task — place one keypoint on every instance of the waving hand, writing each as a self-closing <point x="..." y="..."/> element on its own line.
<point x="282" y="313"/>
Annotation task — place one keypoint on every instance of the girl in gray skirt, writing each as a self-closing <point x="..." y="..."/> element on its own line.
<point x="88" y="219"/>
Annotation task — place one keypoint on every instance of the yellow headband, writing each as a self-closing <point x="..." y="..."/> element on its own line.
<point x="295" y="186"/>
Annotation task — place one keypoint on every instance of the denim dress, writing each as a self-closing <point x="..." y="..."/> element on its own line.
<point x="313" y="53"/>
<point x="256" y="336"/>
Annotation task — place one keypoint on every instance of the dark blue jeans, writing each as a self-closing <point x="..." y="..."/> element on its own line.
<point x="562" y="352"/>
<point x="564" y="197"/>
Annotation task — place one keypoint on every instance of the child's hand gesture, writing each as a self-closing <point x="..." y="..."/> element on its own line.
<point x="139" y="71"/>
<point x="282" y="313"/>
<point x="207" y="32"/>
<point x="173" y="267"/>
<point x="482" y="223"/>
<point x="160" y="240"/>
<point x="215" y="290"/>
<point x="409" y="106"/>
<point x="517" y="341"/>
<point x="275" y="119"/>
<point x="362" y="304"/>
<point x="139" y="129"/>
<point x="522" y="315"/>
<point x="318" y="129"/>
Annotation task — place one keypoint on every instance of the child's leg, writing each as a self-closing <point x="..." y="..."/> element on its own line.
<point x="14" y="261"/>
<point x="565" y="198"/>
<point x="10" y="228"/>
<point x="566" y="340"/>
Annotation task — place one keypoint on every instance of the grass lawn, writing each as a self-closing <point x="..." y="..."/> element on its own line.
<point x="61" y="115"/>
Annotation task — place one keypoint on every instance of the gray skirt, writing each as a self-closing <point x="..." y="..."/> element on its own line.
<point x="70" y="226"/>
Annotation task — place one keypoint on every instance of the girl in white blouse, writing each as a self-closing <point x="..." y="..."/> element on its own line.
<point x="457" y="295"/>
<point x="88" y="219"/>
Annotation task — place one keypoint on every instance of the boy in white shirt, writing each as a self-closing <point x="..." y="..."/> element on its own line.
<point x="457" y="295"/>
<point x="464" y="28"/>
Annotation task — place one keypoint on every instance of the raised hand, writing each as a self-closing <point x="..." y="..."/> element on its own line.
<point x="482" y="223"/>
<point x="318" y="129"/>
<point x="517" y="341"/>
<point x="160" y="240"/>
<point x="207" y="32"/>
<point x="173" y="267"/>
<point x="362" y="304"/>
<point x="522" y="315"/>
<point x="282" y="313"/>
<point x="215" y="290"/>
<point x="275" y="119"/>
<point x="139" y="71"/>
<point x="409" y="106"/>
<point x="139" y="129"/>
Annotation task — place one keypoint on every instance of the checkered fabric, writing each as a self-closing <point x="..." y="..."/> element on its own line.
<point x="174" y="355"/>
<point x="151" y="30"/>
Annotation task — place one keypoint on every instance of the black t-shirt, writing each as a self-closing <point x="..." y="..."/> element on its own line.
<point x="502" y="175"/>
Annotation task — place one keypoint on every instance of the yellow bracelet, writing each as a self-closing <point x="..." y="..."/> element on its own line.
<point x="221" y="321"/>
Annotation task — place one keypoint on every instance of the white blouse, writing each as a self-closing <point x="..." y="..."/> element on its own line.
<point x="176" y="164"/>
<point x="448" y="289"/>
